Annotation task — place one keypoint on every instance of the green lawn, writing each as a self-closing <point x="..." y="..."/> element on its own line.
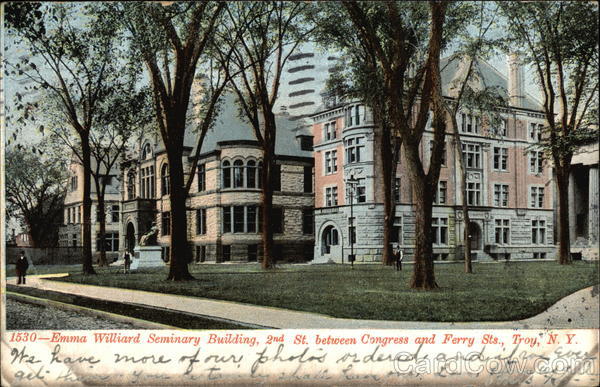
<point x="497" y="291"/>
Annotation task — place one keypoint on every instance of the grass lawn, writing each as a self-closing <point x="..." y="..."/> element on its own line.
<point x="496" y="292"/>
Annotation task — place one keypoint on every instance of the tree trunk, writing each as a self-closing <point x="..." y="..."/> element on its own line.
<point x="87" y="205"/>
<point x="267" y="208"/>
<point x="179" y="256"/>
<point x="423" y="274"/>
<point x="102" y="262"/>
<point x="564" y="238"/>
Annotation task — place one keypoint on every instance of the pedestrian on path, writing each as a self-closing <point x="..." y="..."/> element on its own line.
<point x="398" y="257"/>
<point x="127" y="259"/>
<point x="21" y="268"/>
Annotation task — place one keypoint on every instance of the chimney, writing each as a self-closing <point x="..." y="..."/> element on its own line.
<point x="516" y="89"/>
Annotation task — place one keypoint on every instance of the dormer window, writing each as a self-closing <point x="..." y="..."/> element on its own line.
<point x="147" y="152"/>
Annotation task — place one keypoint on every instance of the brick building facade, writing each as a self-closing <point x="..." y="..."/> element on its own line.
<point x="509" y="187"/>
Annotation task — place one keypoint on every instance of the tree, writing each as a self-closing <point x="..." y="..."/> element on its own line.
<point x="403" y="42"/>
<point x="267" y="34"/>
<point x="35" y="181"/>
<point x="170" y="41"/>
<point x="70" y="60"/>
<point x="559" y="39"/>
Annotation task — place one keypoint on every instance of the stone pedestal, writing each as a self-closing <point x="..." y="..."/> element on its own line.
<point x="147" y="256"/>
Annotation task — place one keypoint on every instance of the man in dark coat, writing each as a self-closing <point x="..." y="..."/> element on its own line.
<point x="22" y="266"/>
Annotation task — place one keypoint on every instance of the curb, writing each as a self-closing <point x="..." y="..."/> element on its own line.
<point x="137" y="323"/>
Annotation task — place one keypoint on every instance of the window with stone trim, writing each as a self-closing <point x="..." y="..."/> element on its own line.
<point x="500" y="159"/>
<point x="471" y="155"/>
<point x="226" y="168"/>
<point x="73" y="186"/>
<point x="470" y="123"/>
<point x="166" y="223"/>
<point x="536" y="197"/>
<point x="355" y="115"/>
<point x="111" y="242"/>
<point x="147" y="180"/>
<point x="201" y="177"/>
<point x="331" y="196"/>
<point x="536" y="162"/>
<point x="354" y="149"/>
<point x="535" y="131"/>
<point x="501" y="195"/>
<point x="308" y="179"/>
<point x="201" y="221"/>
<point x="359" y="195"/>
<point x="329" y="131"/>
<point x="502" y="231"/>
<point x="473" y="193"/>
<point x="241" y="219"/>
<point x="538" y="232"/>
<point x="277" y="220"/>
<point x="330" y="162"/>
<point x="114" y="213"/>
<point x="396" y="236"/>
<point x="251" y="174"/>
<point x="238" y="174"/>
<point x="439" y="230"/>
<point x="441" y="193"/>
<point x="443" y="152"/>
<point x="307" y="221"/>
<point x="164" y="178"/>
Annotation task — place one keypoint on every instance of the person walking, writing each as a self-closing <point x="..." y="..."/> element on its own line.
<point x="21" y="268"/>
<point x="399" y="256"/>
<point x="127" y="259"/>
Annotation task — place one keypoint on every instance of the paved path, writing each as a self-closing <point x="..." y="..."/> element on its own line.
<point x="579" y="310"/>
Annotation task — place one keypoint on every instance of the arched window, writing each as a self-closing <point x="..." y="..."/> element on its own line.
<point x="131" y="186"/>
<point x="258" y="175"/>
<point x="226" y="174"/>
<point x="147" y="152"/>
<point x="251" y="174"/>
<point x="164" y="178"/>
<point x="238" y="174"/>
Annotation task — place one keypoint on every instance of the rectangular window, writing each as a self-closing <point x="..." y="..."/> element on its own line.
<point x="473" y="194"/>
<point x="238" y="219"/>
<point x="226" y="219"/>
<point x="166" y="223"/>
<point x="440" y="195"/>
<point x="277" y="221"/>
<point x="360" y="196"/>
<point x="74" y="240"/>
<point x="251" y="219"/>
<point x="308" y="179"/>
<point x="252" y="253"/>
<point x="354" y="148"/>
<point x="397" y="190"/>
<point x="331" y="198"/>
<point x="111" y="242"/>
<point x="225" y="253"/>
<point x="352" y="234"/>
<point x="329" y="131"/>
<point x="470" y="123"/>
<point x="536" y="197"/>
<point x="535" y="131"/>
<point x="307" y="221"/>
<point x="330" y="162"/>
<point x="536" y="159"/>
<point x="78" y="214"/>
<point x="397" y="230"/>
<point x="539" y="255"/>
<point x="201" y="221"/>
<point x="538" y="232"/>
<point x="500" y="159"/>
<point x="501" y="195"/>
<point x="439" y="230"/>
<point x="472" y="155"/>
<point x="114" y="214"/>
<point x="276" y="177"/>
<point x="201" y="177"/>
<point x="502" y="231"/>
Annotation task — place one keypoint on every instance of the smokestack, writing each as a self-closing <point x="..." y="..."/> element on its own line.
<point x="516" y="89"/>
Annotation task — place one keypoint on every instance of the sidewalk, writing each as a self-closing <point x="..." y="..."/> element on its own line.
<point x="579" y="310"/>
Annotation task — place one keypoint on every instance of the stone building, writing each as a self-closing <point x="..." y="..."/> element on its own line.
<point x="70" y="232"/>
<point x="583" y="201"/>
<point x="508" y="184"/>
<point x="224" y="218"/>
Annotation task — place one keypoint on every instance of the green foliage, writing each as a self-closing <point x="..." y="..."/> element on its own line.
<point x="35" y="181"/>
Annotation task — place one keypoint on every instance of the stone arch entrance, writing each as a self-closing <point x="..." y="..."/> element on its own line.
<point x="475" y="236"/>
<point x="130" y="237"/>
<point x="331" y="243"/>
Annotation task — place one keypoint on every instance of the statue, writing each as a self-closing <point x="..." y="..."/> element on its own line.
<point x="150" y="238"/>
